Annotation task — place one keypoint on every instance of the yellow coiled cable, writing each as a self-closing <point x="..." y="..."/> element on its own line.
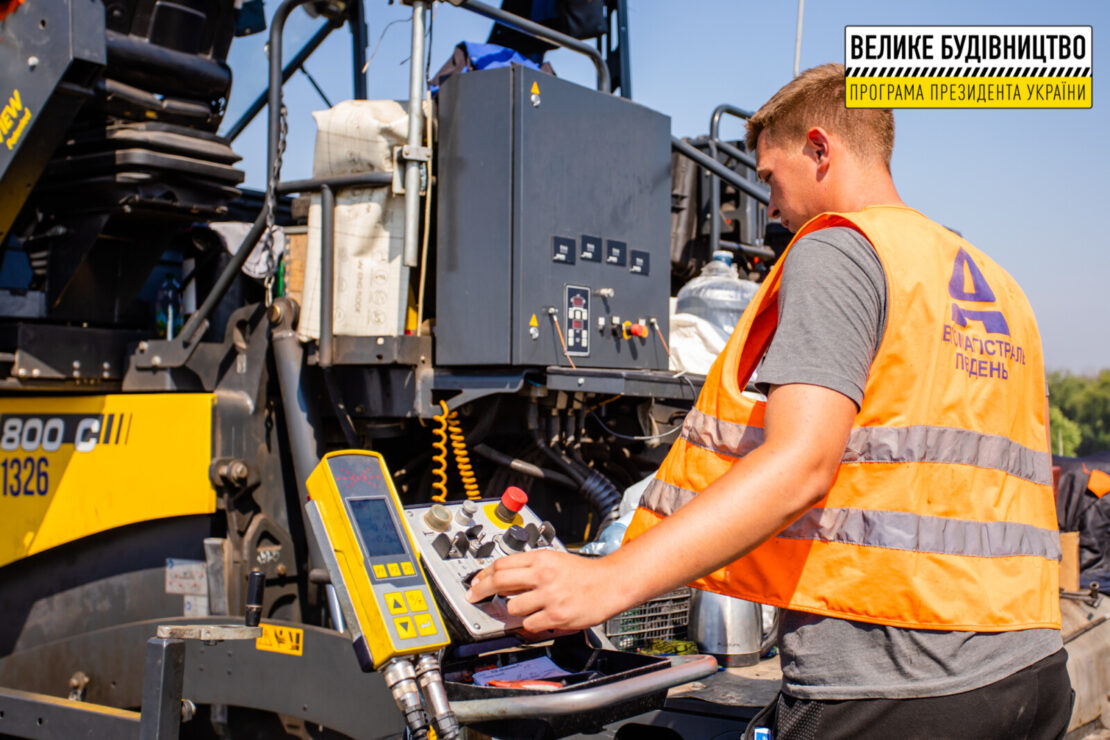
<point x="462" y="457"/>
<point x="439" y="460"/>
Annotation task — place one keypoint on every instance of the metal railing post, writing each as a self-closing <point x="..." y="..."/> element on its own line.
<point x="415" y="135"/>
<point x="714" y="181"/>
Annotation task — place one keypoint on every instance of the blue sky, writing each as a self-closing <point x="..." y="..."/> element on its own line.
<point x="1026" y="186"/>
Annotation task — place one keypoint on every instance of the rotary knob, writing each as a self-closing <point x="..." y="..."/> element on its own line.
<point x="465" y="515"/>
<point x="514" y="540"/>
<point x="438" y="518"/>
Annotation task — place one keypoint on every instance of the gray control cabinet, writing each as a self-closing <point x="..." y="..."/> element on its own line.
<point x="553" y="205"/>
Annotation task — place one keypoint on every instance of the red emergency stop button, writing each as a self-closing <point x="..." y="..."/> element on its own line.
<point x="512" y="501"/>
<point x="638" y="330"/>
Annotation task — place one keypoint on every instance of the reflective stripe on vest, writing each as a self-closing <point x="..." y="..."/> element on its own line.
<point x="941" y="515"/>
<point x="894" y="529"/>
<point x="890" y="445"/>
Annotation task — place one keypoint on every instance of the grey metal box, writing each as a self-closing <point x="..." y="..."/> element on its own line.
<point x="550" y="196"/>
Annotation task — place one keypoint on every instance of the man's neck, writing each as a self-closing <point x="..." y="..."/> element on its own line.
<point x="859" y="187"/>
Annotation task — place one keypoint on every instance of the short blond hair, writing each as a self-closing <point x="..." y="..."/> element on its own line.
<point x="816" y="98"/>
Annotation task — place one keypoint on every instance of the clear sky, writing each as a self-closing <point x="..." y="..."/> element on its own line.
<point x="1026" y="186"/>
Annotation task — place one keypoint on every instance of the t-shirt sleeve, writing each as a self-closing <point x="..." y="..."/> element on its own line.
<point x="832" y="313"/>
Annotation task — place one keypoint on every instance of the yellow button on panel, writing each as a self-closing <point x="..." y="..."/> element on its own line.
<point x="405" y="630"/>
<point x="425" y="625"/>
<point x="407" y="569"/>
<point x="416" y="601"/>
<point x="395" y="603"/>
<point x="379" y="571"/>
<point x="394" y="569"/>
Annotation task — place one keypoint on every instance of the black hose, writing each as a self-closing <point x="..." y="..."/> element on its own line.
<point x="598" y="490"/>
<point x="522" y="466"/>
<point x="533" y="421"/>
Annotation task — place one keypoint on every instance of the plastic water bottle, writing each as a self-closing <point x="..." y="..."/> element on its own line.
<point x="717" y="294"/>
<point x="167" y="307"/>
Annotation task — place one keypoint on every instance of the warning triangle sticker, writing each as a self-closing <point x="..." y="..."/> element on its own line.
<point x="532" y="321"/>
<point x="535" y="88"/>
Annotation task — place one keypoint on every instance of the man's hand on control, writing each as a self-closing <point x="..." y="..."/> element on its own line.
<point x="551" y="590"/>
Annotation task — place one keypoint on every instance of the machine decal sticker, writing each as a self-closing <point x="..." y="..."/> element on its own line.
<point x="590" y="251"/>
<point x="74" y="466"/>
<point x="25" y="476"/>
<point x="577" y="300"/>
<point x="13" y="120"/>
<point x="281" y="639"/>
<point x="616" y="253"/>
<point x="33" y="432"/>
<point x="562" y="250"/>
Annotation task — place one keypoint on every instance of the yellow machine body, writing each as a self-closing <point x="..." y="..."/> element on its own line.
<point x="71" y="466"/>
<point x="380" y="580"/>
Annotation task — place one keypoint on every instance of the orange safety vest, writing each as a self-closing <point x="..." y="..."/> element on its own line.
<point x="942" y="513"/>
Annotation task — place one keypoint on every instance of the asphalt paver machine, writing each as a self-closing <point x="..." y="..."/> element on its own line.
<point x="189" y="432"/>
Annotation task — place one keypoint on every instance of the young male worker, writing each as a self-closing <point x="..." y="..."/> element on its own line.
<point x="893" y="493"/>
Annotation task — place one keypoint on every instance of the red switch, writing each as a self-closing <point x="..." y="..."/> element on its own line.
<point x="638" y="330"/>
<point x="512" y="501"/>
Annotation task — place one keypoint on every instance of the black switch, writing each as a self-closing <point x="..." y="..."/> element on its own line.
<point x="547" y="534"/>
<point x="533" y="534"/>
<point x="442" y="545"/>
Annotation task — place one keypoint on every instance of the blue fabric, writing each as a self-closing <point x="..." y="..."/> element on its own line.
<point x="492" y="56"/>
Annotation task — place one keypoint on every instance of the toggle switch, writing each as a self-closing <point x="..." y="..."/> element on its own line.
<point x="547" y="534"/>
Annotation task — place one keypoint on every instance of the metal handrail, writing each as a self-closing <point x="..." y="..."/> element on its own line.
<point x="532" y="28"/>
<point x="288" y="71"/>
<point x="758" y="192"/>
<point x="714" y="182"/>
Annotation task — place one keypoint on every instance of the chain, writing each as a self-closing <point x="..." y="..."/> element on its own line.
<point x="271" y="207"/>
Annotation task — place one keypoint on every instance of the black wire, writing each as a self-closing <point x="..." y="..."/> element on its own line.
<point x="633" y="438"/>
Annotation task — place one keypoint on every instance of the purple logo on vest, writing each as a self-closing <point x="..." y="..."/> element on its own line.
<point x="968" y="284"/>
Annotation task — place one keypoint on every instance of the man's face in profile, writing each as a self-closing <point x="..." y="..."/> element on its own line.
<point x="791" y="170"/>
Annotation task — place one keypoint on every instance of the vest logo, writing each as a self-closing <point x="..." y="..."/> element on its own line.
<point x="968" y="284"/>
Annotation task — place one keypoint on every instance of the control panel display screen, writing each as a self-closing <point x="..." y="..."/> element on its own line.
<point x="375" y="527"/>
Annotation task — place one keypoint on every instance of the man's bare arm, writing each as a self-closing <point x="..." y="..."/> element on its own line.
<point x="806" y="430"/>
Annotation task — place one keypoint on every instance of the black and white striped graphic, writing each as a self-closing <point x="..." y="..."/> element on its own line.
<point x="968" y="72"/>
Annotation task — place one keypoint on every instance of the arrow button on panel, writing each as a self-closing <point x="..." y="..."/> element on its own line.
<point x="425" y="625"/>
<point x="405" y="628"/>
<point x="396" y="603"/>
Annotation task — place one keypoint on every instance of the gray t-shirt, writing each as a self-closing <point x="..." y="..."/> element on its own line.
<point x="832" y="315"/>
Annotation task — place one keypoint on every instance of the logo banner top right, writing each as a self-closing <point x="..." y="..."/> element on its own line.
<point x="967" y="66"/>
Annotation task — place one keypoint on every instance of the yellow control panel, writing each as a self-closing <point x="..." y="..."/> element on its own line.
<point x="356" y="517"/>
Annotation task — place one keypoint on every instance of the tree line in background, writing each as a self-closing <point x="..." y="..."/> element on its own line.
<point x="1079" y="412"/>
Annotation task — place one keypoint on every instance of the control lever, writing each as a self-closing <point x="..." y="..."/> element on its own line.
<point x="533" y="534"/>
<point x="442" y="545"/>
<point x="547" y="533"/>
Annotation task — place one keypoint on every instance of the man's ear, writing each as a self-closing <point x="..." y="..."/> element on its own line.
<point x="818" y="146"/>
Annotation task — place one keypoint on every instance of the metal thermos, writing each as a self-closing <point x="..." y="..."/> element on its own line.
<point x="727" y="628"/>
